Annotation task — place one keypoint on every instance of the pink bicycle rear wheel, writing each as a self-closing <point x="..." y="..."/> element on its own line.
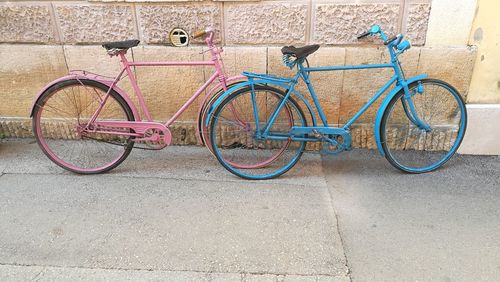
<point x="60" y="120"/>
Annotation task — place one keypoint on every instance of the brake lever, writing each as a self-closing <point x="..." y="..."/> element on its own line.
<point x="388" y="41"/>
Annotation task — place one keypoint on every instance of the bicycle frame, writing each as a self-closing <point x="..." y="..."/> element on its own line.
<point x="127" y="68"/>
<point x="297" y="133"/>
<point x="303" y="73"/>
<point x="126" y="71"/>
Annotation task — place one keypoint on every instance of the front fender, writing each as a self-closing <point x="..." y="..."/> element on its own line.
<point x="383" y="107"/>
<point x="260" y="81"/>
<point x="96" y="78"/>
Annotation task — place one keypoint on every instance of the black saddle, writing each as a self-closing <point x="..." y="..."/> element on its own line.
<point x="301" y="52"/>
<point x="121" y="44"/>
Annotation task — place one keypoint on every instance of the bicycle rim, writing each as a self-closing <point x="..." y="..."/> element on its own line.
<point x="61" y="114"/>
<point x="413" y="149"/>
<point x="235" y="140"/>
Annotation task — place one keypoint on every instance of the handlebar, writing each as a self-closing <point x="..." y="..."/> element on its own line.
<point x="375" y="29"/>
<point x="390" y="40"/>
<point x="396" y="41"/>
<point x="201" y="33"/>
<point x="364" y="35"/>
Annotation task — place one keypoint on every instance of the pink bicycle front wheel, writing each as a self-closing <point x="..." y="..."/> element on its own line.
<point x="60" y="120"/>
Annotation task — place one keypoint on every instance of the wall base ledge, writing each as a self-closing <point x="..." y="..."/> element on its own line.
<point x="482" y="136"/>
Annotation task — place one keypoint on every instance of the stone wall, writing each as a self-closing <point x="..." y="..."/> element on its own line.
<point x="42" y="40"/>
<point x="238" y="22"/>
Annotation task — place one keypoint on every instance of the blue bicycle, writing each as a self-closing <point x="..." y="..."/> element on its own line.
<point x="259" y="130"/>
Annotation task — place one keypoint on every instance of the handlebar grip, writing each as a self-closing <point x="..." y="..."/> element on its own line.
<point x="364" y="35"/>
<point x="388" y="41"/>
<point x="199" y="33"/>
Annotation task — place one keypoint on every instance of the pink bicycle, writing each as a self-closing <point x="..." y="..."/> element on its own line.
<point x="86" y="124"/>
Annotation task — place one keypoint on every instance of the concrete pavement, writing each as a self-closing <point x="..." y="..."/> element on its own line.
<point x="178" y="215"/>
<point x="439" y="226"/>
<point x="175" y="213"/>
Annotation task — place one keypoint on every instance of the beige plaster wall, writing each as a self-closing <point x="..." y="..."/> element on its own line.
<point x="485" y="84"/>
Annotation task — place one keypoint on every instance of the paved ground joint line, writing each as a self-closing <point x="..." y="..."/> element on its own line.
<point x="160" y="270"/>
<point x="171" y="178"/>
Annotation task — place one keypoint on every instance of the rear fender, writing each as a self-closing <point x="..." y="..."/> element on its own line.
<point x="261" y="81"/>
<point x="88" y="76"/>
<point x="219" y="87"/>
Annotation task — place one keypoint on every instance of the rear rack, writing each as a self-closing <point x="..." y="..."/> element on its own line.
<point x="266" y="76"/>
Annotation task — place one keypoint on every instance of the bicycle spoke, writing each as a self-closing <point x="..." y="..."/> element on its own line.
<point x="240" y="149"/>
<point x="440" y="108"/>
<point x="61" y="120"/>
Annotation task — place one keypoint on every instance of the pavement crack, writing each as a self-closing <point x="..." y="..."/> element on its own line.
<point x="348" y="269"/>
<point x="38" y="275"/>
<point x="348" y="273"/>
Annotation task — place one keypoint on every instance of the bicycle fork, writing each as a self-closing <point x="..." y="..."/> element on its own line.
<point x="409" y="107"/>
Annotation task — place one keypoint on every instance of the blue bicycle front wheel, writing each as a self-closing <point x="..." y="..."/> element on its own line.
<point x="237" y="133"/>
<point x="421" y="131"/>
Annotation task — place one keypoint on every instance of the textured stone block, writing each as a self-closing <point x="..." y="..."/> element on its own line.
<point x="184" y="133"/>
<point x="409" y="61"/>
<point x="417" y="21"/>
<point x="166" y="89"/>
<point x="359" y="86"/>
<point x="15" y="127"/>
<point x="341" y="23"/>
<point x="453" y="65"/>
<point x="156" y="21"/>
<point x="143" y="1"/>
<point x="24" y="71"/>
<point x="264" y="23"/>
<point x="20" y="22"/>
<point x="95" y="23"/>
<point x="92" y="58"/>
<point x="239" y="59"/>
<point x="363" y="136"/>
<point x="95" y="59"/>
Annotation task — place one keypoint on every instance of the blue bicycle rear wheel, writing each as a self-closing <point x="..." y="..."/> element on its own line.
<point x="418" y="148"/>
<point x="236" y="136"/>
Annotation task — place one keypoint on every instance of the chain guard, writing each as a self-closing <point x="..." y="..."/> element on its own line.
<point x="333" y="145"/>
<point x="152" y="135"/>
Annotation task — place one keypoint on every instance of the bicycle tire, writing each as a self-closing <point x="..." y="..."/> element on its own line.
<point x="244" y="142"/>
<point x="57" y="130"/>
<point x="423" y="151"/>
